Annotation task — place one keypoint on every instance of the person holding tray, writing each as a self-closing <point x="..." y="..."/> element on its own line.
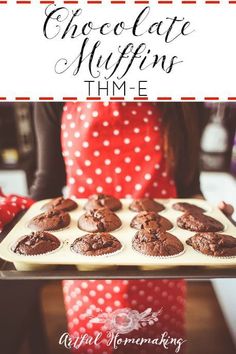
<point x="133" y="150"/>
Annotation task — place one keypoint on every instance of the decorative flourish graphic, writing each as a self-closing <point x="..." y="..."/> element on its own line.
<point x="116" y="325"/>
<point x="126" y="320"/>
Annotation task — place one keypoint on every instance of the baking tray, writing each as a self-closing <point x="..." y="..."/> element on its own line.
<point x="128" y="256"/>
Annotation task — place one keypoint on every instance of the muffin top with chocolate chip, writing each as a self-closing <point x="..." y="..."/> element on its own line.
<point x="36" y="243"/>
<point x="51" y="220"/>
<point x="158" y="243"/>
<point x="213" y="244"/>
<point x="60" y="203"/>
<point x="100" y="220"/>
<point x="199" y="222"/>
<point x="97" y="201"/>
<point x="150" y="220"/>
<point x="96" y="244"/>
<point x="146" y="204"/>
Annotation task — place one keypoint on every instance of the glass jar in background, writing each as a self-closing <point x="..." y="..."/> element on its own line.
<point x="233" y="158"/>
<point x="215" y="142"/>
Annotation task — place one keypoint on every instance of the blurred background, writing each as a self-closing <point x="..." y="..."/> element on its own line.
<point x="211" y="310"/>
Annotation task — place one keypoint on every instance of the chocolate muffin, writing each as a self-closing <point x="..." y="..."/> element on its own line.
<point x="61" y="204"/>
<point x="36" y="243"/>
<point x="157" y="243"/>
<point x="183" y="206"/>
<point x="97" y="201"/>
<point x="100" y="220"/>
<point x="146" y="204"/>
<point x="51" y="220"/>
<point x="96" y="244"/>
<point x="199" y="222"/>
<point x="150" y="220"/>
<point x="213" y="244"/>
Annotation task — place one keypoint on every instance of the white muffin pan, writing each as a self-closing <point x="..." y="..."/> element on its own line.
<point x="128" y="256"/>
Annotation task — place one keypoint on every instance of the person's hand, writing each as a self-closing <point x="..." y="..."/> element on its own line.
<point x="10" y="206"/>
<point x="227" y="209"/>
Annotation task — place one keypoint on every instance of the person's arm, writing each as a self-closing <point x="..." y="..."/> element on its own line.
<point x="191" y="134"/>
<point x="192" y="190"/>
<point x="50" y="176"/>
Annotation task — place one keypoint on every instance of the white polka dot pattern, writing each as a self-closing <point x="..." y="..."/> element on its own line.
<point x="107" y="139"/>
<point x="107" y="296"/>
<point x="112" y="147"/>
<point x="10" y="206"/>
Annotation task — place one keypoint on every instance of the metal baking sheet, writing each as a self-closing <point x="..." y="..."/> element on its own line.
<point x="128" y="257"/>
